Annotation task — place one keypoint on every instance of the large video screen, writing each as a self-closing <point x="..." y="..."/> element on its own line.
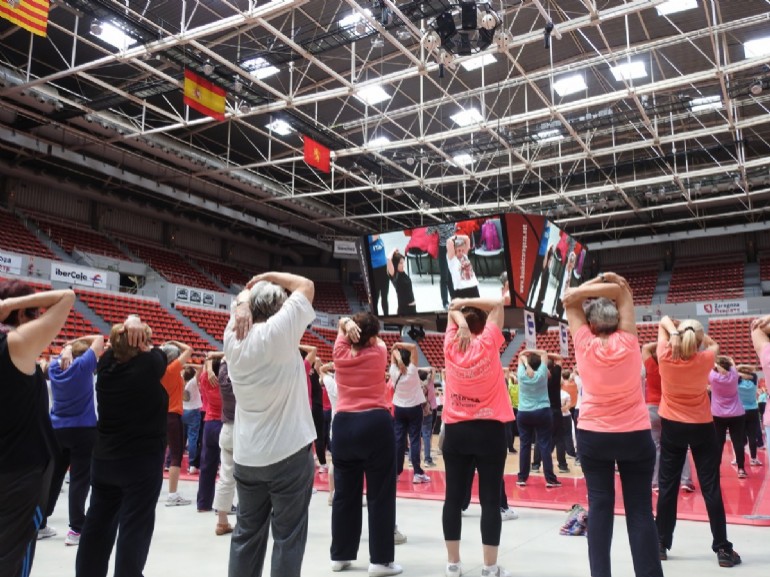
<point x="421" y="270"/>
<point x="555" y="262"/>
<point x="523" y="257"/>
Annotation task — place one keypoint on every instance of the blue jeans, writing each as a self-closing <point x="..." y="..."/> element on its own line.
<point x="634" y="453"/>
<point x="408" y="420"/>
<point x="191" y="419"/>
<point x="427" y="436"/>
<point x="531" y="423"/>
<point x="274" y="499"/>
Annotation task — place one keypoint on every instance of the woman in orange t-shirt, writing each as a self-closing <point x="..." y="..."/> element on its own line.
<point x="614" y="426"/>
<point x="685" y="420"/>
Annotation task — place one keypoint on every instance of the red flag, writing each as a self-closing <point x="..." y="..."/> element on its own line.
<point x="317" y="155"/>
<point x="31" y="15"/>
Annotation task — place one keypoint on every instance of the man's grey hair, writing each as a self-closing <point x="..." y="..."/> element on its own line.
<point x="171" y="352"/>
<point x="265" y="299"/>
<point x="602" y="316"/>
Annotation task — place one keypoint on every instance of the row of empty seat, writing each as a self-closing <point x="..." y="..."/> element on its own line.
<point x="15" y="237"/>
<point x="707" y="281"/>
<point x="72" y="238"/>
<point x="172" y="266"/>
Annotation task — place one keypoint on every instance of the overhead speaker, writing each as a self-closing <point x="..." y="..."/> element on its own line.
<point x="465" y="44"/>
<point x="468" y="16"/>
<point x="445" y="26"/>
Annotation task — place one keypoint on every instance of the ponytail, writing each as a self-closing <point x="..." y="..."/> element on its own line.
<point x="691" y="333"/>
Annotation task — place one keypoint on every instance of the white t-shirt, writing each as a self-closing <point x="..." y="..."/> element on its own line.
<point x="272" y="413"/>
<point x="461" y="279"/>
<point x="565" y="402"/>
<point x="331" y="389"/>
<point x="408" y="389"/>
<point x="579" y="383"/>
<point x="195" y="401"/>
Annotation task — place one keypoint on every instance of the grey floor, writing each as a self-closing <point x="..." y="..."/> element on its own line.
<point x="184" y="544"/>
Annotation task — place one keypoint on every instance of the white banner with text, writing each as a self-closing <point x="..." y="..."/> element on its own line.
<point x="738" y="307"/>
<point x="79" y="275"/>
<point x="193" y="296"/>
<point x="530" y="331"/>
<point x="10" y="262"/>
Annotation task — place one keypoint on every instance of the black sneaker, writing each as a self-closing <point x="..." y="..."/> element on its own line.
<point x="552" y="484"/>
<point x="663" y="552"/>
<point x="535" y="468"/>
<point x="563" y="469"/>
<point x="728" y="558"/>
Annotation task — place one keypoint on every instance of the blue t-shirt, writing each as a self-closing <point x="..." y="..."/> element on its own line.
<point x="747" y="392"/>
<point x="377" y="253"/>
<point x="73" y="392"/>
<point x="533" y="391"/>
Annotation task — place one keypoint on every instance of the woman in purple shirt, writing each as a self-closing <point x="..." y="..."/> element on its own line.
<point x="727" y="408"/>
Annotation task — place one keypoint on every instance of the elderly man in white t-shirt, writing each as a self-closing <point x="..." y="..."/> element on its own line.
<point x="273" y="429"/>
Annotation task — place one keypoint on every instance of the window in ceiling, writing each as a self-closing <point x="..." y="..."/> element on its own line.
<point x="569" y="85"/>
<point x="757" y="47"/>
<point x="280" y="127"/>
<point x="478" y="62"/>
<point x="674" y="6"/>
<point x="372" y="94"/>
<point x="629" y="71"/>
<point x="378" y="142"/>
<point x="467" y="116"/>
<point x="463" y="159"/>
<point x="706" y="103"/>
<point x="358" y="22"/>
<point x="115" y="37"/>
<point x="259" y="67"/>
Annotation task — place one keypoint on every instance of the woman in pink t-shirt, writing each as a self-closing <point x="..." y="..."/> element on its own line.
<point x="614" y="426"/>
<point x="364" y="446"/>
<point x="760" y="329"/>
<point x="476" y="408"/>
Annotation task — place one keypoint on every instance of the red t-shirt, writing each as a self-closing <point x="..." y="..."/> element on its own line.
<point x="360" y="377"/>
<point x="174" y="384"/>
<point x="211" y="397"/>
<point x="653" y="381"/>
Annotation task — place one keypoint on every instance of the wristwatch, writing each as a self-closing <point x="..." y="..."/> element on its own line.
<point x="673" y="334"/>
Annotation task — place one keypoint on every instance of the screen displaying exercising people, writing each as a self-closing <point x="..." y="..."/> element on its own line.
<point x="523" y="257"/>
<point x="421" y="270"/>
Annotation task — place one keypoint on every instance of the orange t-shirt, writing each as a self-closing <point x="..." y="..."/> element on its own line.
<point x="360" y="377"/>
<point x="173" y="382"/>
<point x="612" y="382"/>
<point x="571" y="388"/>
<point x="684" y="394"/>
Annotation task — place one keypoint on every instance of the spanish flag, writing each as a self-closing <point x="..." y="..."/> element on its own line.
<point x="317" y="155"/>
<point x="31" y="15"/>
<point x="203" y="95"/>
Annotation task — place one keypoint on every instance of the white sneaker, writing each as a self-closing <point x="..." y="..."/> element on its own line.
<point x="398" y="537"/>
<point x="193" y="470"/>
<point x="495" y="571"/>
<point x="72" y="538"/>
<point x="46" y="532"/>
<point x="383" y="570"/>
<point x="508" y="514"/>
<point x="323" y="468"/>
<point x="420" y="479"/>
<point x="176" y="500"/>
<point x="453" y="570"/>
<point x="340" y="565"/>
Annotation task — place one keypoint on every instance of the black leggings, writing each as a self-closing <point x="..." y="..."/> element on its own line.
<point x="751" y="419"/>
<point x="381" y="285"/>
<point x="737" y="428"/>
<point x="479" y="444"/>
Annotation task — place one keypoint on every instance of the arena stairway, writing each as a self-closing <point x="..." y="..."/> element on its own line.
<point x="195" y="328"/>
<point x="88" y="313"/>
<point x="513" y="347"/>
<point x="59" y="252"/>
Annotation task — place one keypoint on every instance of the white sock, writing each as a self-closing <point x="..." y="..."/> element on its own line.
<point x="492" y="569"/>
<point x="170" y="495"/>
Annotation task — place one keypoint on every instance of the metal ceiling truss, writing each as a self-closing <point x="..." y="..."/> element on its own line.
<point x="630" y="157"/>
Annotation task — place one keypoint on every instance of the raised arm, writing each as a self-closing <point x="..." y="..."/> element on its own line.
<point x="389" y="262"/>
<point x="290" y="282"/>
<point x="760" y="329"/>
<point x="647" y="350"/>
<point x="414" y="357"/>
<point x="185" y="351"/>
<point x="492" y="306"/>
<point x="668" y="333"/>
<point x="27" y="341"/>
<point x="348" y="328"/>
<point x="711" y="345"/>
<point x="311" y="351"/>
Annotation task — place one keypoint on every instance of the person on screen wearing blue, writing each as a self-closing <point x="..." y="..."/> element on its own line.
<point x="402" y="283"/>
<point x="380" y="285"/>
<point x="464" y="280"/>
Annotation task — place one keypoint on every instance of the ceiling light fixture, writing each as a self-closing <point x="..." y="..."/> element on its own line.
<point x="674" y="6"/>
<point x="378" y="141"/>
<point x="372" y="94"/>
<point x="403" y="34"/>
<point x="96" y="28"/>
<point x="280" y="127"/>
<point x="467" y="116"/>
<point x="478" y="62"/>
<point x="463" y="159"/>
<point x="378" y="41"/>
<point x="244" y="107"/>
<point x="706" y="103"/>
<point x="237" y="85"/>
<point x="208" y="68"/>
<point x="629" y="71"/>
<point x="757" y="48"/>
<point x="569" y="85"/>
<point x="756" y="87"/>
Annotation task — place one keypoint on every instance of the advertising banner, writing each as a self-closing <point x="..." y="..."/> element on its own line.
<point x="711" y="308"/>
<point x="78" y="275"/>
<point x="345" y="249"/>
<point x="194" y="296"/>
<point x="10" y="263"/>
<point x="563" y="340"/>
<point x="530" y="333"/>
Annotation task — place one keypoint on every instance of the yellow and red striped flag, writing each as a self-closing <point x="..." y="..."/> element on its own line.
<point x="31" y="15"/>
<point x="203" y="95"/>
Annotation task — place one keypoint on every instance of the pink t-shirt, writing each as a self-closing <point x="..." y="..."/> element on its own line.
<point x="475" y="387"/>
<point x="360" y="377"/>
<point x="764" y="360"/>
<point x="612" y="389"/>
